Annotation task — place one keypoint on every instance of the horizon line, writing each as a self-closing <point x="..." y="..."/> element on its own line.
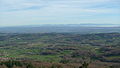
<point x="117" y="25"/>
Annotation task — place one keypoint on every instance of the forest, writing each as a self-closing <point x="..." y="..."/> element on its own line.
<point x="59" y="50"/>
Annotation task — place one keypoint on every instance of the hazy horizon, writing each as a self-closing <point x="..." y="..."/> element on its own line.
<point x="82" y="25"/>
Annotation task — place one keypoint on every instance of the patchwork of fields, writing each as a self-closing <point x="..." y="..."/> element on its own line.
<point x="61" y="47"/>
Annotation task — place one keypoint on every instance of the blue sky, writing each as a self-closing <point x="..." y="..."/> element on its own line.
<point x="35" y="12"/>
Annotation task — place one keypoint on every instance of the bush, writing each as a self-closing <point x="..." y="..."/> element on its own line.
<point x="12" y="63"/>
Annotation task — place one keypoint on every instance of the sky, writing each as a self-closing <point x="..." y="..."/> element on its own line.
<point x="35" y="12"/>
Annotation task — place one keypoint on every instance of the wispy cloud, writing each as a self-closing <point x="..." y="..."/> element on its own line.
<point x="49" y="11"/>
<point x="27" y="4"/>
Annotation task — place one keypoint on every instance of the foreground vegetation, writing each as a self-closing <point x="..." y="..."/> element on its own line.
<point x="65" y="49"/>
<point x="37" y="64"/>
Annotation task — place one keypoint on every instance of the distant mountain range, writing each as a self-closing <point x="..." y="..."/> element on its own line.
<point x="66" y="28"/>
